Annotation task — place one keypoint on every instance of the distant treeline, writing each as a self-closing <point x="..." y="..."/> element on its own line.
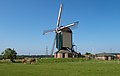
<point x="29" y="56"/>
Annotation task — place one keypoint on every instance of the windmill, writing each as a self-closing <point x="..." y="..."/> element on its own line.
<point x="63" y="35"/>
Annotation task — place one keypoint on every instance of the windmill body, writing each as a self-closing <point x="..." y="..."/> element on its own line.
<point x="63" y="38"/>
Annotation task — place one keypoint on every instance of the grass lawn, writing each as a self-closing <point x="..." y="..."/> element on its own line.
<point x="99" y="68"/>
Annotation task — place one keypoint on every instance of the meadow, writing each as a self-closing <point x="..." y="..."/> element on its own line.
<point x="78" y="68"/>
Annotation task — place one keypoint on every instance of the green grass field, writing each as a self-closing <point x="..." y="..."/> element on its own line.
<point x="87" y="68"/>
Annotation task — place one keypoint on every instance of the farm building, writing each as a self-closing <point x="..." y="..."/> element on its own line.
<point x="107" y="56"/>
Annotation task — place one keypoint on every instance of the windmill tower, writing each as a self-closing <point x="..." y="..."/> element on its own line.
<point x="46" y="50"/>
<point x="63" y="38"/>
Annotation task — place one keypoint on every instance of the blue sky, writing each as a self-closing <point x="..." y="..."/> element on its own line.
<point x="22" y="23"/>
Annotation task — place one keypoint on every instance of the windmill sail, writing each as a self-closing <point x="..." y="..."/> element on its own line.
<point x="70" y="25"/>
<point x="48" y="31"/>
<point x="59" y="15"/>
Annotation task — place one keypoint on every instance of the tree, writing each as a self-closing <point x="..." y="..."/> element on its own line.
<point x="9" y="54"/>
<point x="87" y="53"/>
